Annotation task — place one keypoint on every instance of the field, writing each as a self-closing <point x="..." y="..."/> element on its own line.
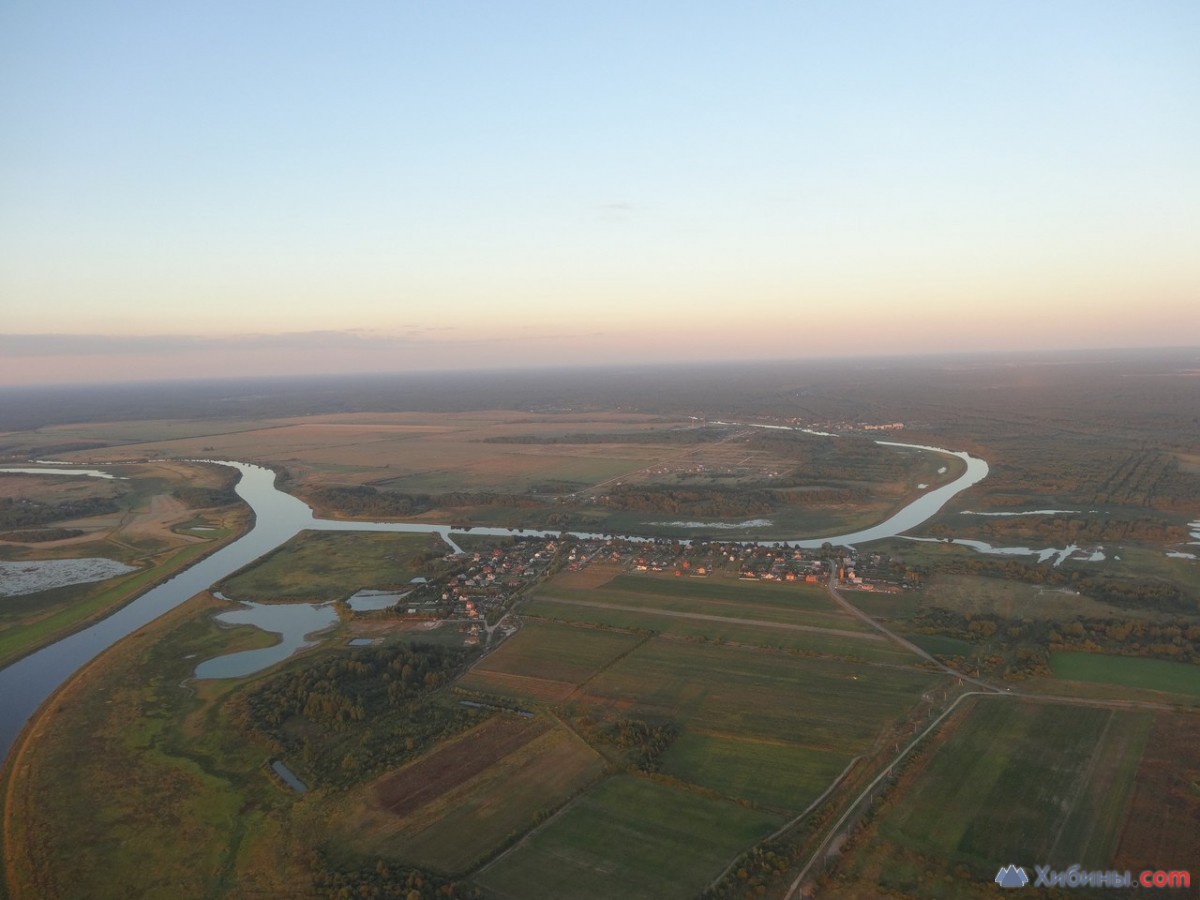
<point x="1126" y="671"/>
<point x="822" y="711"/>
<point x="410" y="451"/>
<point x="1013" y="782"/>
<point x="630" y="837"/>
<point x="546" y="662"/>
<point x="459" y="803"/>
<point x="766" y="727"/>
<point x="1160" y="829"/>
<point x="758" y="724"/>
<point x="317" y="566"/>
<point x="797" y="617"/>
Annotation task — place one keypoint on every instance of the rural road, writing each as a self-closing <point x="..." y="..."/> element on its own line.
<point x="853" y="610"/>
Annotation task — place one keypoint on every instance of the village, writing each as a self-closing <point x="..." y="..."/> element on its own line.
<point x="483" y="585"/>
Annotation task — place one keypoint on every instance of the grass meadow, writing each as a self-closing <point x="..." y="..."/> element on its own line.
<point x="135" y="789"/>
<point x="1128" y="671"/>
<point x="547" y="661"/>
<point x="1011" y="782"/>
<point x="317" y="566"/>
<point x="795" y="617"/>
<point x="629" y="837"/>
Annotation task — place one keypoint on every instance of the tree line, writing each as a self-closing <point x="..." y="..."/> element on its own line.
<point x="21" y="513"/>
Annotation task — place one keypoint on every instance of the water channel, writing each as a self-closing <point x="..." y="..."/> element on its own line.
<point x="26" y="684"/>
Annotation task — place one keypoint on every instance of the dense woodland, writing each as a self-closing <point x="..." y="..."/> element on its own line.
<point x="383" y="880"/>
<point x="641" y="742"/>
<point x="1061" y="529"/>
<point x="348" y="715"/>
<point x="1177" y="640"/>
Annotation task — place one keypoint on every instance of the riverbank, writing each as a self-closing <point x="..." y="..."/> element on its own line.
<point x="111" y="708"/>
<point x="148" y="530"/>
<point x="20" y="642"/>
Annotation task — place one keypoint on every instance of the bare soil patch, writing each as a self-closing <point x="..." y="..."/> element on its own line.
<point x="594" y="576"/>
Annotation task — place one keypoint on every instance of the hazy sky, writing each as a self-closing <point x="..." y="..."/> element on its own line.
<point x="191" y="188"/>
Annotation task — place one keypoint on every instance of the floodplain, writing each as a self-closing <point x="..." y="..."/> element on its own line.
<point x="655" y="719"/>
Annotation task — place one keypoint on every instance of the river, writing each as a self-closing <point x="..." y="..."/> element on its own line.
<point x="26" y="684"/>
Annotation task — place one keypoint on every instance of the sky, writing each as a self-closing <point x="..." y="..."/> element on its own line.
<point x="193" y="189"/>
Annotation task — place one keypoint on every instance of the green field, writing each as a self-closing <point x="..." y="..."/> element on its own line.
<point x="806" y="605"/>
<point x="941" y="645"/>
<point x="546" y="661"/>
<point x="780" y="723"/>
<point x="866" y="646"/>
<point x="978" y="595"/>
<point x="798" y="617"/>
<point x="771" y="774"/>
<point x="630" y="838"/>
<point x="1017" y="782"/>
<point x="765" y="711"/>
<point x="318" y="566"/>
<point x="791" y="596"/>
<point x="1128" y="671"/>
<point x="829" y="704"/>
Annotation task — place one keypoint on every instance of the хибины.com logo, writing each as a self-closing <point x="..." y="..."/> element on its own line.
<point x="1011" y="877"/>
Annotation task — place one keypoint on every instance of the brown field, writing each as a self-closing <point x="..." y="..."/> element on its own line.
<point x="407" y="790"/>
<point x="595" y="575"/>
<point x="428" y="452"/>
<point x="459" y="803"/>
<point x="1160" y="828"/>
<point x="410" y="451"/>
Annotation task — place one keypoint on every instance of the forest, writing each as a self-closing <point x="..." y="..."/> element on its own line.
<point x="349" y="715"/>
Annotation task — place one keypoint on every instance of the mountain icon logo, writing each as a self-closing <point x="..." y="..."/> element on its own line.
<point x="1011" y="877"/>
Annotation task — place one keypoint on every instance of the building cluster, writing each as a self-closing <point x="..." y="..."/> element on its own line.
<point x="480" y="588"/>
